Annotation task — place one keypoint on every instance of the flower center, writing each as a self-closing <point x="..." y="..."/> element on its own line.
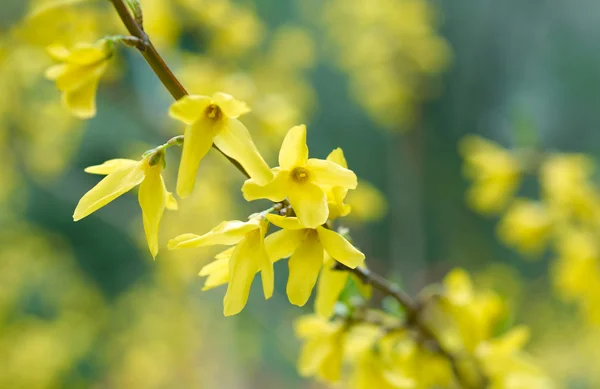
<point x="300" y="174"/>
<point x="213" y="112"/>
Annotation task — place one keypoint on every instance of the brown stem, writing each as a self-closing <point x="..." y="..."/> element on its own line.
<point x="158" y="65"/>
<point x="414" y="319"/>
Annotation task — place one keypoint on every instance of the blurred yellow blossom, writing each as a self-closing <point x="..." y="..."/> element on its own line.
<point x="526" y="226"/>
<point x="50" y="313"/>
<point x="78" y="74"/>
<point x="65" y="22"/>
<point x="323" y="350"/>
<point x="369" y="37"/>
<point x="565" y="180"/>
<point x="494" y="171"/>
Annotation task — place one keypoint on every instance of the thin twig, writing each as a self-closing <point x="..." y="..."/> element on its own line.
<point x="157" y="63"/>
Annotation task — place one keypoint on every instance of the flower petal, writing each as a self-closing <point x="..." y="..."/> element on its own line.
<point x="243" y="265"/>
<point x="275" y="190"/>
<point x="230" y="106"/>
<point x="283" y="243"/>
<point x="111" y="187"/>
<point x="339" y="248"/>
<point x="267" y="273"/>
<point x="337" y="156"/>
<point x="74" y="77"/>
<point x="310" y="204"/>
<point x="217" y="278"/>
<point x="85" y="54"/>
<point x="294" y="151"/>
<point x="327" y="173"/>
<point x="198" y="139"/>
<point x="81" y="101"/>
<point x="189" y="108"/>
<point x="313" y="354"/>
<point x="58" y="52"/>
<point x="56" y="71"/>
<point x="110" y="166"/>
<point x="152" y="201"/>
<point x="288" y="223"/>
<point x="226" y="233"/>
<point x="235" y="141"/>
<point x="330" y="286"/>
<point x="225" y="253"/>
<point x="304" y="264"/>
<point x="217" y="265"/>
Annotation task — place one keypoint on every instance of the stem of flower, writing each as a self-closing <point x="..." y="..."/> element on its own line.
<point x="157" y="63"/>
<point x="414" y="320"/>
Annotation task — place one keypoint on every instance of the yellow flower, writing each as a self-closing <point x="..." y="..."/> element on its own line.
<point x="468" y="315"/>
<point x="217" y="272"/>
<point x="507" y="366"/>
<point x="308" y="246"/>
<point x="494" y="171"/>
<point x="566" y="184"/>
<point x="526" y="226"/>
<point x="122" y="176"/>
<point x="337" y="194"/>
<point x="247" y="257"/>
<point x="78" y="74"/>
<point x="372" y="371"/>
<point x="576" y="270"/>
<point x="301" y="180"/>
<point x="323" y="351"/>
<point x="215" y="119"/>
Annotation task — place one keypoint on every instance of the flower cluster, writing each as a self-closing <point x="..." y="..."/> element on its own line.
<point x="446" y="340"/>
<point x="563" y="220"/>
<point x="392" y="53"/>
<point x="386" y="351"/>
<point x="311" y="187"/>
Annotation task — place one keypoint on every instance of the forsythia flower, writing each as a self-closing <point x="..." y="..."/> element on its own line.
<point x="474" y="313"/>
<point x="78" y="74"/>
<point x="302" y="180"/>
<point x="372" y="371"/>
<point x="494" y="171"/>
<point x="337" y="194"/>
<point x="122" y="176"/>
<point x="215" y="119"/>
<point x="509" y="367"/>
<point x="566" y="184"/>
<point x="217" y="272"/>
<point x="243" y="262"/>
<point x="323" y="351"/>
<point x="526" y="226"/>
<point x="576" y="270"/>
<point x="308" y="247"/>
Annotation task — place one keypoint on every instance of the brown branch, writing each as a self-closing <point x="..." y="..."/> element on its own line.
<point x="157" y="63"/>
<point x="414" y="319"/>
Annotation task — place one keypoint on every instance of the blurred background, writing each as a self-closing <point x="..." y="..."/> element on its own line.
<point x="396" y="83"/>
